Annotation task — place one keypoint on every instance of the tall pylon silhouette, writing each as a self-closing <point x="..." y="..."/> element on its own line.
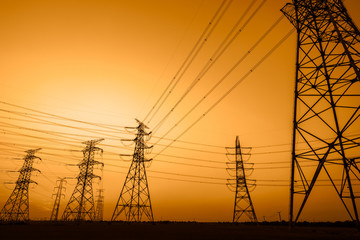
<point x="81" y="204"/>
<point x="16" y="208"/>
<point x="326" y="119"/>
<point x="58" y="195"/>
<point x="99" y="202"/>
<point x="134" y="201"/>
<point x="242" y="186"/>
<point x="99" y="208"/>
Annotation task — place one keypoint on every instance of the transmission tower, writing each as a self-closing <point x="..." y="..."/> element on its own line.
<point x="58" y="195"/>
<point x="134" y="200"/>
<point x="16" y="208"/>
<point x="81" y="204"/>
<point x="240" y="184"/>
<point x="327" y="103"/>
<point x="99" y="209"/>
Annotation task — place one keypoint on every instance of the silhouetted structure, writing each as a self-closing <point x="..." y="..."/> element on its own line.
<point x="99" y="209"/>
<point x="241" y="186"/>
<point x="81" y="204"/>
<point x="16" y="208"/>
<point x="134" y="200"/>
<point x="327" y="102"/>
<point x="58" y="195"/>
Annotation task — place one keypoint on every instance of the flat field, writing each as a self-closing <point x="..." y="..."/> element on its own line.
<point x="173" y="230"/>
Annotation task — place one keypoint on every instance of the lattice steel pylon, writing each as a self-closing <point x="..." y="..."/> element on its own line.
<point x="58" y="195"/>
<point x="134" y="200"/>
<point x="240" y="184"/>
<point x="81" y="203"/>
<point x="327" y="101"/>
<point x="99" y="208"/>
<point x="16" y="208"/>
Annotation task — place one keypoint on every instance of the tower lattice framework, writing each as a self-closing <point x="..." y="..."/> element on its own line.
<point x="16" y="208"/>
<point x="242" y="186"/>
<point x="99" y="209"/>
<point x="327" y="103"/>
<point x="134" y="201"/>
<point x="58" y="195"/>
<point x="81" y="203"/>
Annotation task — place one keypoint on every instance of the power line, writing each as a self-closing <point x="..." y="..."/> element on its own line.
<point x="167" y="155"/>
<point x="233" y="87"/>
<point x="191" y="56"/>
<point x="62" y="117"/>
<point x="213" y="59"/>
<point x="225" y="76"/>
<point x="170" y="162"/>
<point x="113" y="137"/>
<point x="76" y="140"/>
<point x="218" y="183"/>
<point x="62" y="125"/>
<point x="62" y="142"/>
<point x="179" y="174"/>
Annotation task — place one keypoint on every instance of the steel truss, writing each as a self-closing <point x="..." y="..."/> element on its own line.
<point x="134" y="201"/>
<point x="327" y="103"/>
<point x="99" y="210"/>
<point x="81" y="204"/>
<point x="58" y="195"/>
<point x="16" y="208"/>
<point x="240" y="184"/>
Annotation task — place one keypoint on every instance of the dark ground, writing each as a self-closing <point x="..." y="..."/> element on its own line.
<point x="174" y="230"/>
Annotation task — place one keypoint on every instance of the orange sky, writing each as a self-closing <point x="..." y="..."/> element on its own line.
<point x="109" y="61"/>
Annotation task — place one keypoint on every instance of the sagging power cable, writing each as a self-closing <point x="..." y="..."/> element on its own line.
<point x="224" y="45"/>
<point x="224" y="77"/>
<point x="190" y="58"/>
<point x="232" y="88"/>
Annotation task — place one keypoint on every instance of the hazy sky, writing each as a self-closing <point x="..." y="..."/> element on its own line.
<point x="108" y="62"/>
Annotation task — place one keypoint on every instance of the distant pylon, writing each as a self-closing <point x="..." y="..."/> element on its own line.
<point x="134" y="200"/>
<point x="99" y="208"/>
<point x="16" y="208"/>
<point x="58" y="195"/>
<point x="326" y="119"/>
<point x="240" y="184"/>
<point x="81" y="204"/>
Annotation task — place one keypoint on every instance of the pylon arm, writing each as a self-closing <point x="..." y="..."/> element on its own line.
<point x="35" y="157"/>
<point x="94" y="176"/>
<point x="233" y="154"/>
<point x="97" y="162"/>
<point x="241" y="148"/>
<point x="147" y="147"/>
<point x="9" y="182"/>
<point x="29" y="169"/>
<point x="127" y="140"/>
<point x="289" y="11"/>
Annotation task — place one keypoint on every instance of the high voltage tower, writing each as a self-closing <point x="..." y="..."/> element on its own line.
<point x="99" y="208"/>
<point x="58" y="195"/>
<point x="16" y="208"/>
<point x="134" y="200"/>
<point x="81" y="204"/>
<point x="241" y="186"/>
<point x="327" y="103"/>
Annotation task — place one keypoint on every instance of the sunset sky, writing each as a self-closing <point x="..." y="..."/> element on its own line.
<point x="101" y="64"/>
